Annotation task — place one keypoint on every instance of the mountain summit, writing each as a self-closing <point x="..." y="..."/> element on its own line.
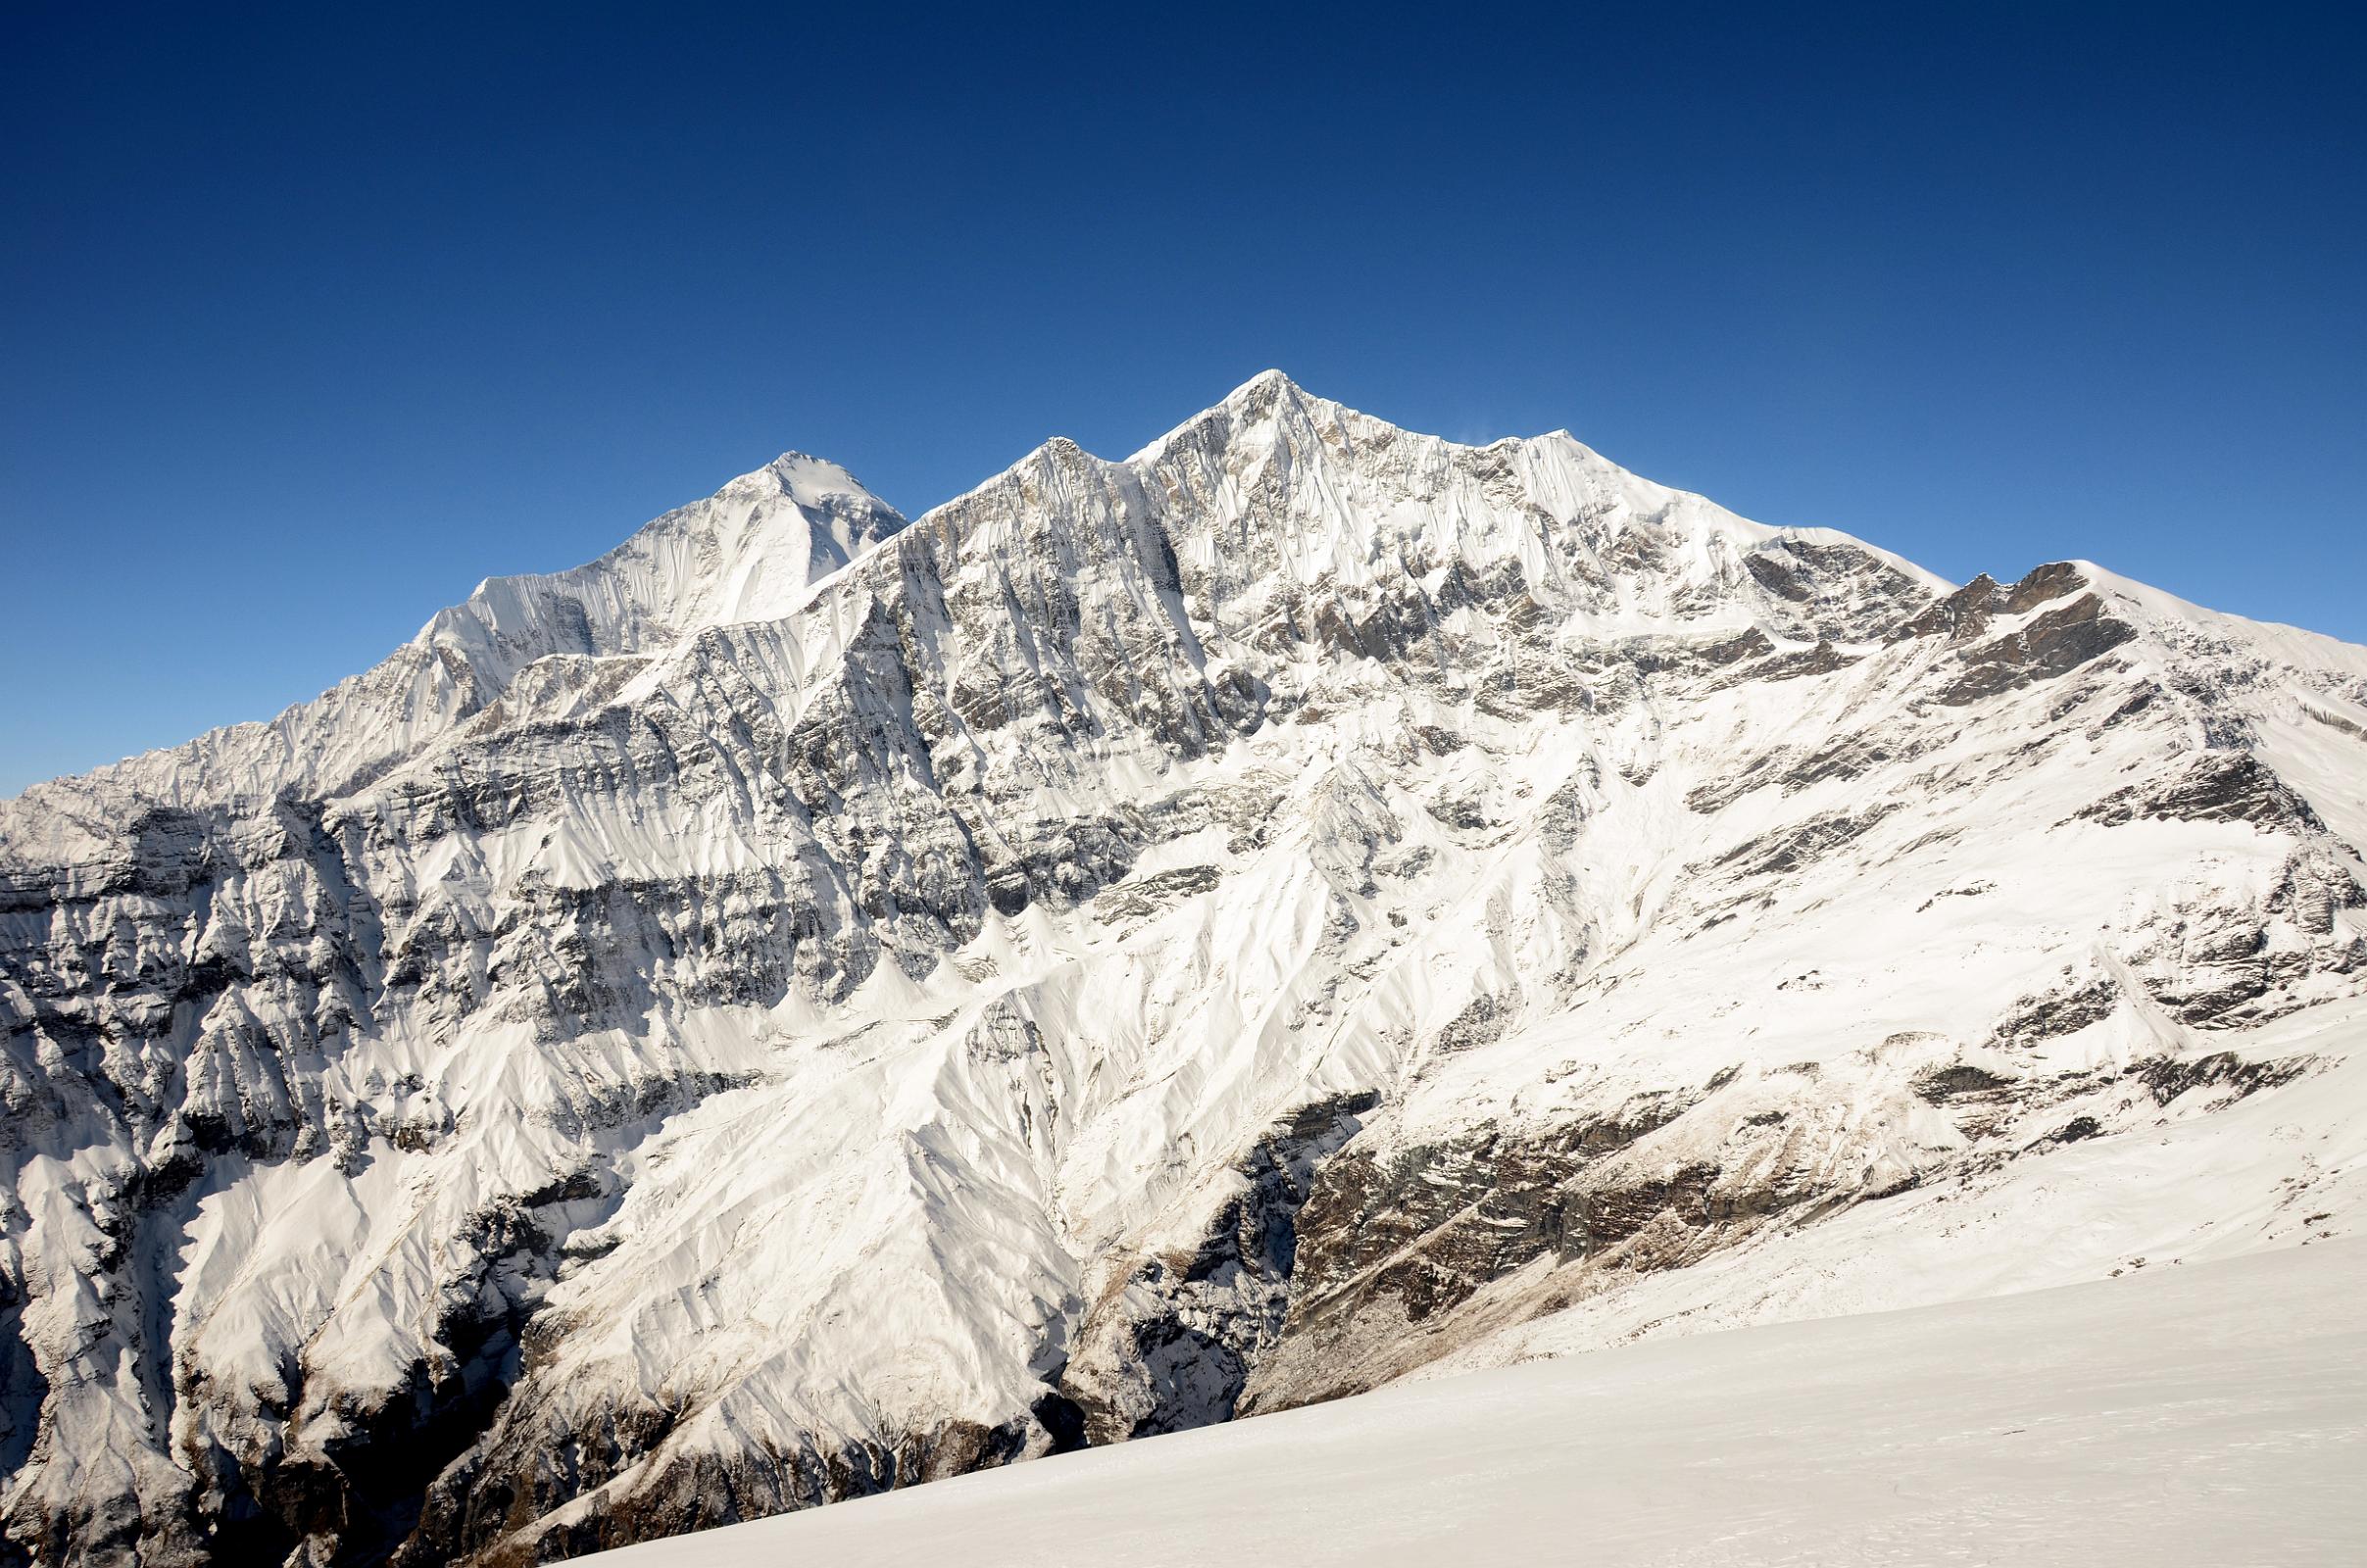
<point x="808" y="1003"/>
<point x="752" y="551"/>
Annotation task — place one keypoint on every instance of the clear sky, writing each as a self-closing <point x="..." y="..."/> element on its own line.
<point x="316" y="316"/>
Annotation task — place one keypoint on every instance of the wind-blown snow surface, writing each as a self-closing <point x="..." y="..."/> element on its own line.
<point x="2207" y="1415"/>
<point x="808" y="1003"/>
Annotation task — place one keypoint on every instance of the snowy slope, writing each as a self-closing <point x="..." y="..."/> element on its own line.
<point x="2202" y="1415"/>
<point x="808" y="1003"/>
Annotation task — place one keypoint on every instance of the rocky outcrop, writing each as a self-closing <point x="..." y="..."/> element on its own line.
<point x="1173" y="1342"/>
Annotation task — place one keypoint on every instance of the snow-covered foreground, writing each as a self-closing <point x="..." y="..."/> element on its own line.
<point x="2213" y="1413"/>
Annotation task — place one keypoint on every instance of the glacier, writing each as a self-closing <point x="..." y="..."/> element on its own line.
<point x="812" y="1002"/>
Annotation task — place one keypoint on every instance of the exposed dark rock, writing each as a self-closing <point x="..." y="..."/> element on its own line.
<point x="1788" y="848"/>
<point x="370" y="1490"/>
<point x="2049" y="646"/>
<point x="1842" y="589"/>
<point x="2312" y="888"/>
<point x="1960" y="616"/>
<point x="1821" y="660"/>
<point x="1483" y="1020"/>
<point x="2059" y="1012"/>
<point x="1564" y="813"/>
<point x="1966" y="614"/>
<point x="1148" y="896"/>
<point x="1174" y="1342"/>
<point x="2167" y="1078"/>
<point x="2043" y="584"/>
<point x="1468" y="813"/>
<point x="1663" y="656"/>
<point x="2071" y="1132"/>
<point x="1418" y="1232"/>
<point x="1949" y="1083"/>
<point x="2215" y="787"/>
<point x="2335" y="722"/>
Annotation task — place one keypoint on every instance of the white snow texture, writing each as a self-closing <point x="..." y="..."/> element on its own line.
<point x="2187" y="1416"/>
<point x="808" y="1004"/>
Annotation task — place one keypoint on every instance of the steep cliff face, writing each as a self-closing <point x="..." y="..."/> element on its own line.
<point x="808" y="1003"/>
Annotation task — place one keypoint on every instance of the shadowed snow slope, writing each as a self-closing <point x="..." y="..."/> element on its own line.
<point x="807" y="1003"/>
<point x="2205" y="1415"/>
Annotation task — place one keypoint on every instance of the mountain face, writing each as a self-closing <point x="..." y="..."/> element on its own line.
<point x="808" y="1004"/>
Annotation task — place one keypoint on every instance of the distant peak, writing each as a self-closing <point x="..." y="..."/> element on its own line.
<point x="1059" y="451"/>
<point x="1263" y="381"/>
<point x="1270" y="389"/>
<point x="805" y="465"/>
<point x="1270" y="396"/>
<point x="812" y="482"/>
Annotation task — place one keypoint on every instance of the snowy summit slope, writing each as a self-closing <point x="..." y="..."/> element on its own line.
<point x="2194" y="1416"/>
<point x="808" y="1004"/>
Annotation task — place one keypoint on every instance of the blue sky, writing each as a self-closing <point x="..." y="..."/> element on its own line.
<point x="316" y="319"/>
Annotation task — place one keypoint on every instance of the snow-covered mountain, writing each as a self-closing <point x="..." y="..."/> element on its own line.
<point x="806" y="1004"/>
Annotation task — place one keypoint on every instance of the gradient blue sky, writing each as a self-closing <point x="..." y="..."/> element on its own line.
<point x="317" y="317"/>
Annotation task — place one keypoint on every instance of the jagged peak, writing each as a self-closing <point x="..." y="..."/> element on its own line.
<point x="752" y="550"/>
<point x="1268" y="400"/>
<point x="1058" y="452"/>
<point x="1272" y="397"/>
<point x="805" y="475"/>
<point x="1263" y="385"/>
<point x="757" y="547"/>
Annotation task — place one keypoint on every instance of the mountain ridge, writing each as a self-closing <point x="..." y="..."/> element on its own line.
<point x="439" y="630"/>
